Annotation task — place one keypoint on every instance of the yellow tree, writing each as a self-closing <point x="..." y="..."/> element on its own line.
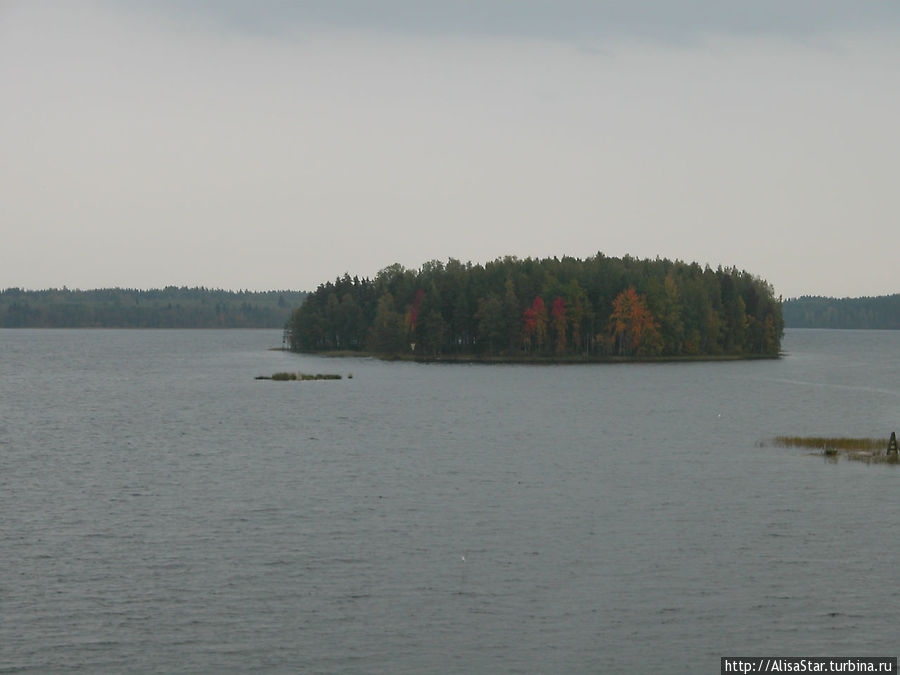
<point x="633" y="327"/>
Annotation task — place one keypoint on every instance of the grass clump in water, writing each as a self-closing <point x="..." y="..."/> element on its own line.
<point x="870" y="450"/>
<point x="835" y="442"/>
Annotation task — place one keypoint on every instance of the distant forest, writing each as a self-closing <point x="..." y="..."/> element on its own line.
<point x="600" y="307"/>
<point x="169" y="307"/>
<point x="818" y="312"/>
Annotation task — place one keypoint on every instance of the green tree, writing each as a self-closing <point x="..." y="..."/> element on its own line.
<point x="491" y="323"/>
<point x="388" y="332"/>
<point x="539" y="310"/>
<point x="664" y="302"/>
<point x="511" y="314"/>
<point x="433" y="331"/>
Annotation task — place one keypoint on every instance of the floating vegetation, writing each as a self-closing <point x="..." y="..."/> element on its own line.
<point x="284" y="377"/>
<point x="837" y="442"/>
<point x="870" y="450"/>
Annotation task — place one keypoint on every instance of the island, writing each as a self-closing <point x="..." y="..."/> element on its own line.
<point x="552" y="309"/>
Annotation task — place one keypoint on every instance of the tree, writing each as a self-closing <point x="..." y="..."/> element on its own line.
<point x="664" y="303"/>
<point x="511" y="312"/>
<point x="558" y="319"/>
<point x="491" y="322"/>
<point x="333" y="318"/>
<point x="633" y="328"/>
<point x="388" y="332"/>
<point x="770" y="336"/>
<point x="351" y="323"/>
<point x="433" y="332"/>
<point x="529" y="327"/>
<point x="412" y="316"/>
<point x="540" y="321"/>
<point x="576" y="302"/>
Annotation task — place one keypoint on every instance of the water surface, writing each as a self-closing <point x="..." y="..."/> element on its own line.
<point x="165" y="512"/>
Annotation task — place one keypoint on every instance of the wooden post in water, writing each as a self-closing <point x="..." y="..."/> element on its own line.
<point x="892" y="444"/>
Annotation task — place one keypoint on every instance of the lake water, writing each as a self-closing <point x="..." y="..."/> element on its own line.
<point x="162" y="511"/>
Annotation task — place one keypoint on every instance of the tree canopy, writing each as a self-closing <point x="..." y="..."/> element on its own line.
<point x="563" y="307"/>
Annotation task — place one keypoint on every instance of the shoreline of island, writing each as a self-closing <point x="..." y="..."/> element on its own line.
<point x="540" y="359"/>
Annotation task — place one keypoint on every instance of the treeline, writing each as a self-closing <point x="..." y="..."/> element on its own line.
<point x="170" y="307"/>
<point x="598" y="307"/>
<point x="881" y="312"/>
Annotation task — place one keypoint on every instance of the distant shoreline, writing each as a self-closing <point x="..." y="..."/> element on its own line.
<point x="867" y="313"/>
<point x="125" y="327"/>
<point x="65" y="328"/>
<point x="169" y="307"/>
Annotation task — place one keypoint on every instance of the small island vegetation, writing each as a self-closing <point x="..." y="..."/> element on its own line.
<point x="870" y="450"/>
<point x="301" y="377"/>
<point x="553" y="309"/>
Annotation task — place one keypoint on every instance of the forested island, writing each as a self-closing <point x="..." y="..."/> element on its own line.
<point x="170" y="307"/>
<point x="882" y="312"/>
<point x="561" y="309"/>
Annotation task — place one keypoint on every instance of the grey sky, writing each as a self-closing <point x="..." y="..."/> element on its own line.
<point x="280" y="144"/>
<point x="673" y="20"/>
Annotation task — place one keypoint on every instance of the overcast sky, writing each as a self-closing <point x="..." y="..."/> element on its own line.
<point x="277" y="145"/>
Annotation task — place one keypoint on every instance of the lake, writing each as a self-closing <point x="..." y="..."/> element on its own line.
<point x="163" y="511"/>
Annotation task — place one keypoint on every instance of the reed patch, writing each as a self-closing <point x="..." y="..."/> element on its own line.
<point x="869" y="450"/>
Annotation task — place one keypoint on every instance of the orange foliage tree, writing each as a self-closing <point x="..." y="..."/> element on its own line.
<point x="634" y="330"/>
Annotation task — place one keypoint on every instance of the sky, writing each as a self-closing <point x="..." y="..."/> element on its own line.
<point x="268" y="144"/>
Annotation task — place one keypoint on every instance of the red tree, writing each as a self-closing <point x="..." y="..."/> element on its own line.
<point x="534" y="323"/>
<point x="413" y="316"/>
<point x="529" y="324"/>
